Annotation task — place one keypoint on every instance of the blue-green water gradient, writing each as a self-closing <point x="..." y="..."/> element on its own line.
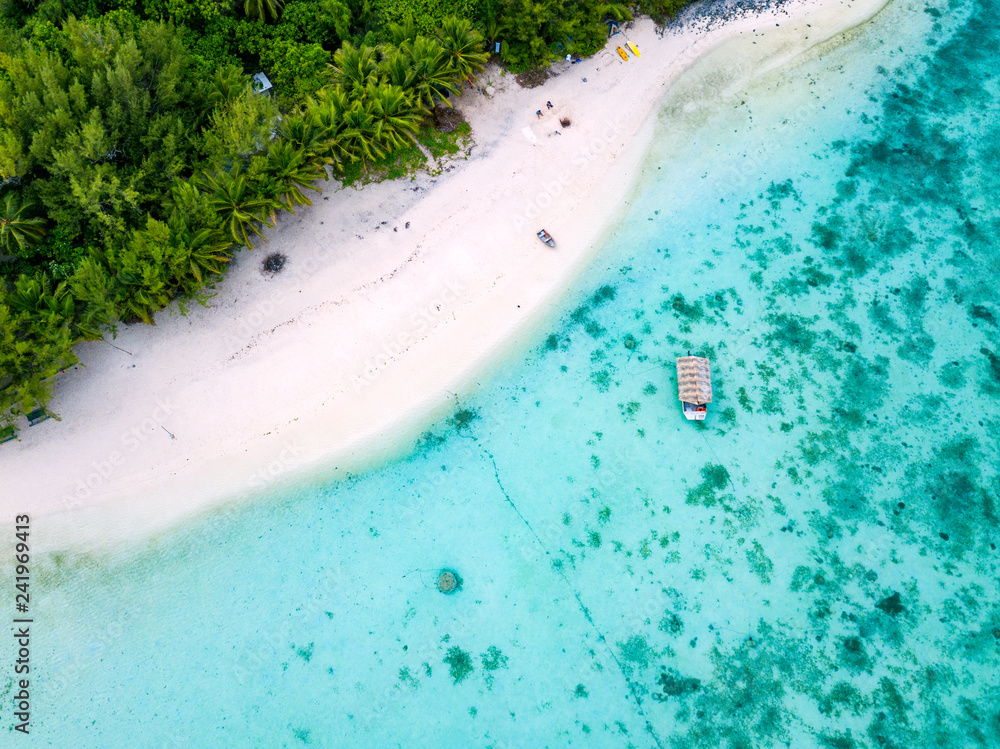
<point x="815" y="565"/>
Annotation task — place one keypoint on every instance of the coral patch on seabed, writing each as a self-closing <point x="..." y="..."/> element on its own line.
<point x="449" y="582"/>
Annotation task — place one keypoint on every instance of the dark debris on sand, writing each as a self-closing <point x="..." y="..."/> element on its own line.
<point x="446" y="119"/>
<point x="532" y="78"/>
<point x="274" y="262"/>
<point x="713" y="13"/>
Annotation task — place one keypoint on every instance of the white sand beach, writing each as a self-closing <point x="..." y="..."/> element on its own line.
<point x="394" y="299"/>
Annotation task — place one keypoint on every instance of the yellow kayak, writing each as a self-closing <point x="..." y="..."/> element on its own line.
<point x="623" y="53"/>
<point x="634" y="49"/>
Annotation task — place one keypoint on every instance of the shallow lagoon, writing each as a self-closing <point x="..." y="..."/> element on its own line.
<point x="813" y="566"/>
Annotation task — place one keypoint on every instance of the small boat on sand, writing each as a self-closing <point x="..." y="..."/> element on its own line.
<point x="547" y="238"/>
<point x="694" y="386"/>
<point x="634" y="49"/>
<point x="622" y="53"/>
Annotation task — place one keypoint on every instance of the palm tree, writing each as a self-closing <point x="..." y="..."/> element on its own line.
<point x="396" y="118"/>
<point x="400" y="33"/>
<point x="617" y="11"/>
<point x="95" y="288"/>
<point x="226" y="85"/>
<point x="238" y="206"/>
<point x="493" y="29"/>
<point x="16" y="228"/>
<point x="353" y="68"/>
<point x="463" y="46"/>
<point x="358" y="137"/>
<point x="33" y="348"/>
<point x="327" y="107"/>
<point x="262" y="8"/>
<point x="433" y="75"/>
<point x="494" y="26"/>
<point x="325" y="114"/>
<point x="55" y="306"/>
<point x="190" y="206"/>
<point x="395" y="68"/>
<point x="208" y="249"/>
<point x="304" y="131"/>
<point x="35" y="296"/>
<point x="289" y="171"/>
<point x="209" y="253"/>
<point x="140" y="290"/>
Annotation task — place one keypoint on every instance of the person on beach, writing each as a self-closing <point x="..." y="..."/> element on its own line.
<point x="548" y="105"/>
<point x="538" y="113"/>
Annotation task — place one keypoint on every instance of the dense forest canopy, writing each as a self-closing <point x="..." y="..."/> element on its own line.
<point x="136" y="158"/>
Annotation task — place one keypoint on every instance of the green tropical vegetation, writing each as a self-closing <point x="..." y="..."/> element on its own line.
<point x="136" y="157"/>
<point x="18" y="229"/>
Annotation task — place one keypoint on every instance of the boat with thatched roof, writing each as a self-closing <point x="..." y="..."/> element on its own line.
<point x="694" y="386"/>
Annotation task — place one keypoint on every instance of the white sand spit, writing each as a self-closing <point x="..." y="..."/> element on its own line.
<point x="343" y="357"/>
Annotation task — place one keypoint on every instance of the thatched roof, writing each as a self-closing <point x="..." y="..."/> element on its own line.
<point x="694" y="380"/>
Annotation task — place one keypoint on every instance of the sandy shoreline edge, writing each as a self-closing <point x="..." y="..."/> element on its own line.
<point x="395" y="297"/>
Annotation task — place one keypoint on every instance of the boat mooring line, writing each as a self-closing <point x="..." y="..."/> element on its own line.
<point x="584" y="610"/>
<point x="660" y="365"/>
<point x="420" y="573"/>
<point x="729" y="474"/>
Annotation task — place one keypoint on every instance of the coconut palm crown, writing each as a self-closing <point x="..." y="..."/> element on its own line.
<point x="261" y="9"/>
<point x="238" y="205"/>
<point x="433" y="75"/>
<point x="18" y="231"/>
<point x="463" y="46"/>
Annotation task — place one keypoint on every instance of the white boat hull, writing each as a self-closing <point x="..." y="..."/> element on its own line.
<point x="694" y="386"/>
<point x="694" y="412"/>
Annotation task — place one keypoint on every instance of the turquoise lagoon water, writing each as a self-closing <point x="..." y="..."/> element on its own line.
<point x="814" y="566"/>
